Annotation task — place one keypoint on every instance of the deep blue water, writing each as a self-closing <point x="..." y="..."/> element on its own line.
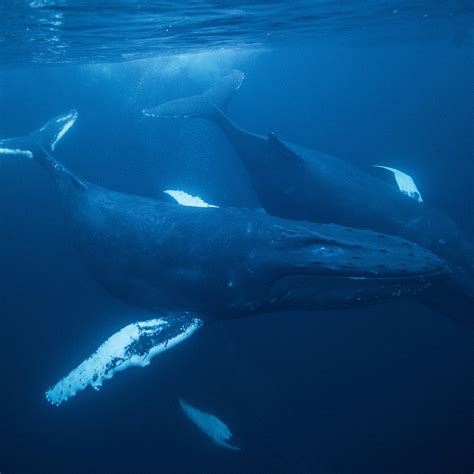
<point x="383" y="389"/>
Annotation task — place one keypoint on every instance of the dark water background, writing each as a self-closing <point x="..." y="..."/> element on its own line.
<point x="385" y="389"/>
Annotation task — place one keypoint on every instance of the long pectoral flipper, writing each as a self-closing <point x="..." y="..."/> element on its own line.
<point x="209" y="424"/>
<point x="405" y="183"/>
<point x="133" y="346"/>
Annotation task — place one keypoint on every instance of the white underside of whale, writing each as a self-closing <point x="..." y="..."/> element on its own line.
<point x="209" y="424"/>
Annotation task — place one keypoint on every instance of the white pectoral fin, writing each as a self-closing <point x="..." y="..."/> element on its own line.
<point x="209" y="424"/>
<point x="405" y="183"/>
<point x="185" y="199"/>
<point x="133" y="346"/>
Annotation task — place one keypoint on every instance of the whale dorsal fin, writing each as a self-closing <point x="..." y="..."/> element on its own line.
<point x="278" y="147"/>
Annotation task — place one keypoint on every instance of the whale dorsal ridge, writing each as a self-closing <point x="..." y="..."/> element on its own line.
<point x="277" y="147"/>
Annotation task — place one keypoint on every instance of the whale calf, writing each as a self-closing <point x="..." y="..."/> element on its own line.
<point x="295" y="182"/>
<point x="192" y="265"/>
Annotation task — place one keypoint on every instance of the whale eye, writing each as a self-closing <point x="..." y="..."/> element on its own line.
<point x="328" y="251"/>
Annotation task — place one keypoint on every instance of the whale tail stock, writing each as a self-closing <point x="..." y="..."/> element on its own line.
<point x="209" y="105"/>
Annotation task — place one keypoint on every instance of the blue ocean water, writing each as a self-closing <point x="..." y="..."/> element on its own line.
<point x="379" y="389"/>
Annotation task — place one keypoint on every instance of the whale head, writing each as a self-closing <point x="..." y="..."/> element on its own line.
<point x="317" y="266"/>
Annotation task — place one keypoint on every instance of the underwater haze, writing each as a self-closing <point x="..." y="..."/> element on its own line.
<point x="383" y="389"/>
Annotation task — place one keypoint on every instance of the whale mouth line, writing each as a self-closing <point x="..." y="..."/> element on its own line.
<point x="366" y="276"/>
<point x="339" y="289"/>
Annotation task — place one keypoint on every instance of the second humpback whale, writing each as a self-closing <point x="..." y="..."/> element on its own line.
<point x="295" y="182"/>
<point x="192" y="265"/>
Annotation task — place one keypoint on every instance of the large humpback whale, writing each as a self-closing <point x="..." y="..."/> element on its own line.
<point x="192" y="265"/>
<point x="295" y="182"/>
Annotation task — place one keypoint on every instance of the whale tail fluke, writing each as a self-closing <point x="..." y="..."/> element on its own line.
<point x="49" y="135"/>
<point x="45" y="138"/>
<point x="39" y="145"/>
<point x="207" y="106"/>
<point x="221" y="93"/>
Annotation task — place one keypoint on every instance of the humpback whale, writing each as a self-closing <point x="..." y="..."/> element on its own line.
<point x="298" y="183"/>
<point x="192" y="265"/>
